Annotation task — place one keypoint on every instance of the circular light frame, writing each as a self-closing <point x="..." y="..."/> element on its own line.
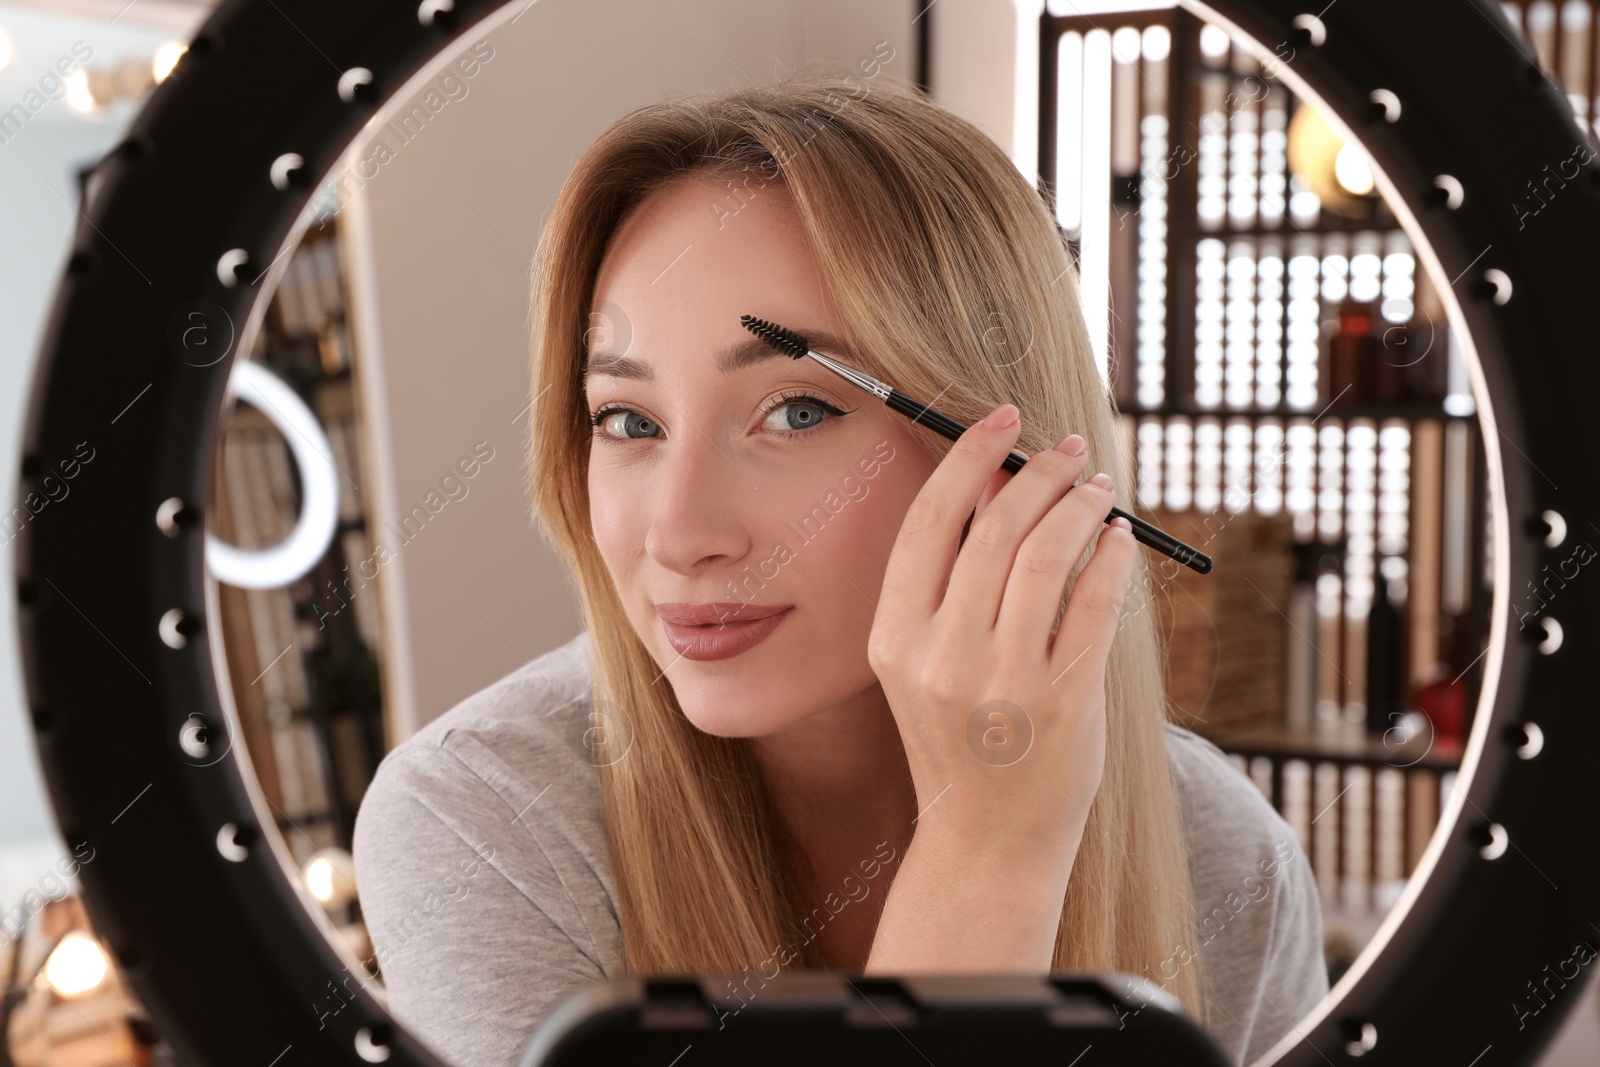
<point x="187" y="891"/>
<point x="278" y="565"/>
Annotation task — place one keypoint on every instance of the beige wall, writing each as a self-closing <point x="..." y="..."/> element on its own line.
<point x="439" y="245"/>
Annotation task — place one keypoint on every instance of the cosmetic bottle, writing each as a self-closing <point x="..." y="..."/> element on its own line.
<point x="1350" y="356"/>
<point x="1384" y="630"/>
<point x="1443" y="699"/>
<point x="1427" y="377"/>
<point x="1302" y="660"/>
<point x="1392" y="350"/>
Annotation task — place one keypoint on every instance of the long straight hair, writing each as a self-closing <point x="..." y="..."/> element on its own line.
<point x="950" y="276"/>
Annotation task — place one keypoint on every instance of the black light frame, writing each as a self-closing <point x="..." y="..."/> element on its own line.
<point x="110" y="579"/>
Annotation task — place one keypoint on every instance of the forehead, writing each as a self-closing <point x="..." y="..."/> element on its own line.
<point x="687" y="263"/>
<point x="703" y="223"/>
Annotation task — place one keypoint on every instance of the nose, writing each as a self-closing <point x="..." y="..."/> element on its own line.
<point x="697" y="520"/>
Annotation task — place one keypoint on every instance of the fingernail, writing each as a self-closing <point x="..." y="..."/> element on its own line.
<point x="1122" y="522"/>
<point x="1072" y="445"/>
<point x="1103" y="480"/>
<point x="1001" y="417"/>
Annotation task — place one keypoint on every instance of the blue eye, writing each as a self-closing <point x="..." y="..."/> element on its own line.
<point x="795" y="425"/>
<point x="599" y="418"/>
<point x="807" y="420"/>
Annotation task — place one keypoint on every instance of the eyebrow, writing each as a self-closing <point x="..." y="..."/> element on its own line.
<point x="747" y="353"/>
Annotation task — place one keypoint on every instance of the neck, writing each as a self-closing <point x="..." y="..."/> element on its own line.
<point x="839" y="782"/>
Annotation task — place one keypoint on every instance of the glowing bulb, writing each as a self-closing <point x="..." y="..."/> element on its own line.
<point x="1350" y="169"/>
<point x="166" y="58"/>
<point x="8" y="49"/>
<point x="1125" y="44"/>
<point x="76" y="966"/>
<point x="78" y="96"/>
<point x="1157" y="43"/>
<point x="319" y="879"/>
<point x="330" y="877"/>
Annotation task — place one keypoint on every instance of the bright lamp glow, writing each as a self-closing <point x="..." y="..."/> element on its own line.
<point x="331" y="877"/>
<point x="1351" y="171"/>
<point x="8" y="49"/>
<point x="1338" y="173"/>
<point x="76" y="966"/>
<point x="166" y="58"/>
<point x="282" y="563"/>
<point x="78" y="96"/>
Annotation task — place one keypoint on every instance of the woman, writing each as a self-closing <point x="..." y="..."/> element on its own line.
<point x="937" y="753"/>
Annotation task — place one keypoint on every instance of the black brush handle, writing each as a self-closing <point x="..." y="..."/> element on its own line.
<point x="1143" y="532"/>
<point x="934" y="419"/>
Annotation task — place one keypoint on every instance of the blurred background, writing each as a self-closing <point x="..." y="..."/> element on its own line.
<point x="1287" y="382"/>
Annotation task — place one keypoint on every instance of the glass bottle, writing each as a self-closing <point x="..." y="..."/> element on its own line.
<point x="1444" y="698"/>
<point x="1391" y="352"/>
<point x="1384" y="635"/>
<point x="1350" y="355"/>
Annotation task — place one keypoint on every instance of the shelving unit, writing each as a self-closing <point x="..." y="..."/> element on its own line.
<point x="1211" y="278"/>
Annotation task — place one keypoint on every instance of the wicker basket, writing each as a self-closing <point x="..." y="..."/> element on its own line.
<point x="1225" y="634"/>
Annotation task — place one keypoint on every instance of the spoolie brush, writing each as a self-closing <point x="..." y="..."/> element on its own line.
<point x="795" y="346"/>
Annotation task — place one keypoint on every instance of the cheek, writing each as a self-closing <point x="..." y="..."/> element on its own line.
<point x="844" y="562"/>
<point x="616" y="519"/>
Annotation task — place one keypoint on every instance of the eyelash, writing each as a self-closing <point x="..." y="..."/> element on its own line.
<point x="598" y="418"/>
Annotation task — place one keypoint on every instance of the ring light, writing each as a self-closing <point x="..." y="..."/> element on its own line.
<point x="282" y="563"/>
<point x="185" y="886"/>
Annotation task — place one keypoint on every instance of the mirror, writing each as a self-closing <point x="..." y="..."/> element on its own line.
<point x="1290" y="397"/>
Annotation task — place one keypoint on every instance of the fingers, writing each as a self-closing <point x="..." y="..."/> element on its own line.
<point x="1035" y="581"/>
<point x="997" y="482"/>
<point x="1094" y="610"/>
<point x="925" y="549"/>
<point x="982" y="570"/>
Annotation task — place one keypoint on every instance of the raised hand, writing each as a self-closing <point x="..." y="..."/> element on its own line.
<point x="1003" y="720"/>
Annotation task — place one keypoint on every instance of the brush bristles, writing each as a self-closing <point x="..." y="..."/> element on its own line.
<point x="784" y="340"/>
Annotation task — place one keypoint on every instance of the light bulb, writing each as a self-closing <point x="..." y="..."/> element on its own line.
<point x="76" y="965"/>
<point x="166" y="58"/>
<point x="78" y="96"/>
<point x="319" y="879"/>
<point x="330" y="877"/>
<point x="1350" y="169"/>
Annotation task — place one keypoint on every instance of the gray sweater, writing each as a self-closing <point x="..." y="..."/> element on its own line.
<point x="485" y="876"/>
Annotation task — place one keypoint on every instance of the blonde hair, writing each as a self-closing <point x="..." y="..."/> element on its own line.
<point x="929" y="241"/>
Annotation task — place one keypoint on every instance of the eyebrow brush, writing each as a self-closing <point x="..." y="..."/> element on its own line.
<point x="795" y="346"/>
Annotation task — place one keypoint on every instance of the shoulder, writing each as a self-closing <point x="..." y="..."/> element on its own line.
<point x="482" y="864"/>
<point x="1257" y="926"/>
<point x="1231" y="826"/>
<point x="503" y="774"/>
<point x="1226" y="814"/>
<point x="498" y="747"/>
<point x="528" y="701"/>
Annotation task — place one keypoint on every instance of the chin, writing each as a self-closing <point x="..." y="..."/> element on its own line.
<point x="723" y="721"/>
<point x="736" y="711"/>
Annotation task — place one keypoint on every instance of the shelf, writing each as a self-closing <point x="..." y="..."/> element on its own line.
<point x="1290" y="230"/>
<point x="1412" y="410"/>
<point x="1428" y="753"/>
<point x="295" y="822"/>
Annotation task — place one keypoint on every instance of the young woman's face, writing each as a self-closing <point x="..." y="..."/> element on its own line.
<point x="724" y="474"/>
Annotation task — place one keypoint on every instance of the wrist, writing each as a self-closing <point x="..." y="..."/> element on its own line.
<point x="957" y="843"/>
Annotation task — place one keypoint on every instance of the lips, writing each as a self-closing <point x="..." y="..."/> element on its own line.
<point x="731" y="629"/>
<point x="717" y="612"/>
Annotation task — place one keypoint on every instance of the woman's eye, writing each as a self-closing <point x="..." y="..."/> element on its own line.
<point x="789" y="416"/>
<point x="615" y="423"/>
<point x="797" y="414"/>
